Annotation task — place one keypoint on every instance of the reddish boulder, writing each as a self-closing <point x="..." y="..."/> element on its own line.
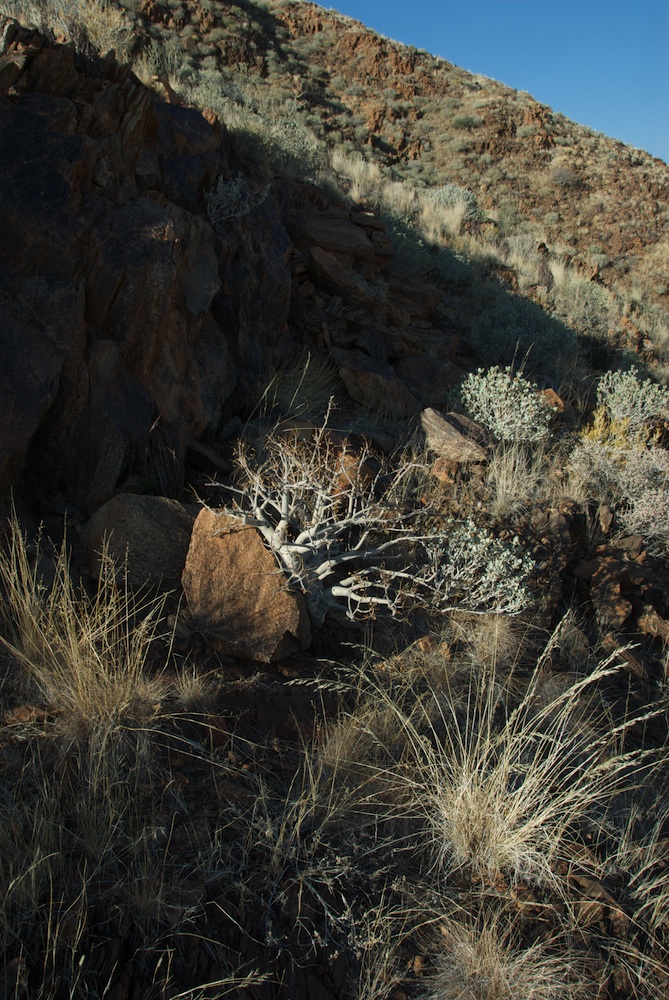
<point x="237" y="595"/>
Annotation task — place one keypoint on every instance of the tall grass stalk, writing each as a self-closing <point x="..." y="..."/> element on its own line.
<point x="515" y="476"/>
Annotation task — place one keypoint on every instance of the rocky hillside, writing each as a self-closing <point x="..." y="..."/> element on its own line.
<point x="134" y="326"/>
<point x="600" y="205"/>
<point x="127" y="326"/>
<point x="330" y="666"/>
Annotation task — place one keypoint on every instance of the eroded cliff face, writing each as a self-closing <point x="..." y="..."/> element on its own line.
<point x="132" y="322"/>
<point x="121" y="305"/>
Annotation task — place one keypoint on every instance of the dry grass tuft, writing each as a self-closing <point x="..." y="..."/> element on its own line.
<point x="85" y="655"/>
<point x="493" y="641"/>
<point x="302" y="390"/>
<point x="515" y="477"/>
<point x="355" y="174"/>
<point x="484" y="960"/>
<point x="91" y="24"/>
<point x="499" y="784"/>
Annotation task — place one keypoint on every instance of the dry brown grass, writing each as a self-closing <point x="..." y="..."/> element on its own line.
<point x="302" y="389"/>
<point x="85" y="656"/>
<point x="516" y="475"/>
<point x="498" y="784"/>
<point x="91" y="24"/>
<point x="483" y="959"/>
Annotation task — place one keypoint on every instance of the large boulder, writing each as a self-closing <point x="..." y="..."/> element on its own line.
<point x="237" y="595"/>
<point x="146" y="536"/>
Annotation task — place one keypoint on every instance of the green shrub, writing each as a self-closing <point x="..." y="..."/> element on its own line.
<point x="477" y="572"/>
<point x="507" y="404"/>
<point x="467" y="121"/>
<point x="564" y="177"/>
<point x="619" y="470"/>
<point x="412" y="257"/>
<point x="509" y="326"/>
<point x="449" y="196"/>
<point x="625" y="396"/>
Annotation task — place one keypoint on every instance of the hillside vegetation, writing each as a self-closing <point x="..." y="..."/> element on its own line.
<point x="334" y="483"/>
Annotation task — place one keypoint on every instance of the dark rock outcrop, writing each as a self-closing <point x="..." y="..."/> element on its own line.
<point x="126" y="308"/>
<point x="121" y="305"/>
<point x="147" y="538"/>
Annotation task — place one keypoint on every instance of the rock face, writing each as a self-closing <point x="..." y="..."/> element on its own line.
<point x="148" y="536"/>
<point x="120" y="303"/>
<point x="428" y="378"/>
<point x="374" y="384"/>
<point x="124" y="309"/>
<point x="237" y="595"/>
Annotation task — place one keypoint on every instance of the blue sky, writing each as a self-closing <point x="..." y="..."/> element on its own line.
<point x="602" y="63"/>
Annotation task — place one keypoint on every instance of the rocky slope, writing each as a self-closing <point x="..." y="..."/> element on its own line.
<point x="601" y="204"/>
<point x="146" y="337"/>
<point x="135" y="327"/>
<point x="255" y="815"/>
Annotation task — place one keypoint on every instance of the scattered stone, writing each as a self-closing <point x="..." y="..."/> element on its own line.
<point x="444" y="437"/>
<point x="554" y="401"/>
<point x="382" y="245"/>
<point x="444" y="470"/>
<point x="633" y="548"/>
<point x="340" y="237"/>
<point x="417" y="297"/>
<point x="629" y="659"/>
<point x="368" y="220"/>
<point x="651" y="623"/>
<point x="605" y="518"/>
<point x="22" y="715"/>
<point x="330" y="274"/>
<point x="612" y="608"/>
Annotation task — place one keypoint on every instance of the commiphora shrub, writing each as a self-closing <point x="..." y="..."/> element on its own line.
<point x="356" y="543"/>
<point x="231" y="199"/>
<point x="511" y="408"/>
